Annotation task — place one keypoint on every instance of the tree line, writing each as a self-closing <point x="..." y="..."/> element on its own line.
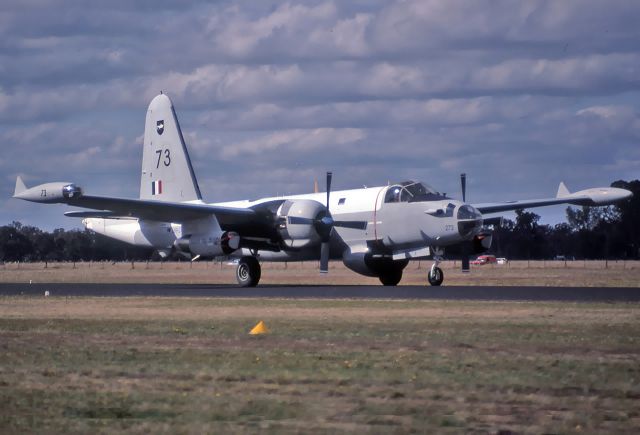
<point x="589" y="233"/>
<point x="27" y="243"/>
<point x="611" y="232"/>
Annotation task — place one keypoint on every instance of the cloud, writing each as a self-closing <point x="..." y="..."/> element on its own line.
<point x="272" y="95"/>
<point x="282" y="143"/>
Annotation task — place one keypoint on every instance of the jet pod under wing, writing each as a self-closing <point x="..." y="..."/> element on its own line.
<point x="596" y="196"/>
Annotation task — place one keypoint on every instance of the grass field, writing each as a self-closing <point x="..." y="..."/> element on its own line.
<point x="540" y="273"/>
<point x="188" y="366"/>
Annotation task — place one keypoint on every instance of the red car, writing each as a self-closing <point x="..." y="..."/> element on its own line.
<point x="485" y="259"/>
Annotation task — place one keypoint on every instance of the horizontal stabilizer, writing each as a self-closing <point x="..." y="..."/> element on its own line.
<point x="20" y="186"/>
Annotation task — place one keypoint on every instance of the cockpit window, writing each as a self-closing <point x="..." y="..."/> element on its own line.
<point x="411" y="191"/>
<point x="393" y="194"/>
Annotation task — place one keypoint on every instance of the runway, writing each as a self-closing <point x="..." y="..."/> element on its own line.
<point x="475" y="293"/>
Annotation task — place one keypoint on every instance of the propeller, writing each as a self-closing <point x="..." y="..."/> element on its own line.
<point x="465" y="245"/>
<point x="324" y="228"/>
<point x="463" y="182"/>
<point x="324" y="224"/>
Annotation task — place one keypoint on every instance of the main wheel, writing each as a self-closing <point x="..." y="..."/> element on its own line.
<point x="435" y="276"/>
<point x="248" y="272"/>
<point x="391" y="277"/>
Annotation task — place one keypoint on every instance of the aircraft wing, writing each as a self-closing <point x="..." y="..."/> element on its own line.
<point x="152" y="210"/>
<point x="112" y="207"/>
<point x="590" y="197"/>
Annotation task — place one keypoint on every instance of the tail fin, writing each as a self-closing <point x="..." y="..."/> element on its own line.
<point x="167" y="174"/>
<point x="562" y="191"/>
<point x="20" y="186"/>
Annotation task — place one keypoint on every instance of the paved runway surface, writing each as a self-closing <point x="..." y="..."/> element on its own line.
<point x="478" y="293"/>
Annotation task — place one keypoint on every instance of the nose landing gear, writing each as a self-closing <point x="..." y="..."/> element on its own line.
<point x="435" y="276"/>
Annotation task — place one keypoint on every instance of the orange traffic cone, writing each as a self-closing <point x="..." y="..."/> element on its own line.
<point x="260" y="328"/>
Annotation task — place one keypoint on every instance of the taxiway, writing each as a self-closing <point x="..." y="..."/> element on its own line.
<point x="478" y="293"/>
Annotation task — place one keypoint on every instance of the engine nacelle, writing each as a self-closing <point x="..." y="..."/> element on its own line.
<point x="208" y="245"/>
<point x="300" y="233"/>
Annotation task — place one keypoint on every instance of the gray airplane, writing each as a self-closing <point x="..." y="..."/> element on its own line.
<point x="375" y="231"/>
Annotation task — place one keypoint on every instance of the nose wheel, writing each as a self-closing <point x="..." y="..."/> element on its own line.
<point x="435" y="276"/>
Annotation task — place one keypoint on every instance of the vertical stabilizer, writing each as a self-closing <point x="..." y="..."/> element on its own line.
<point x="562" y="191"/>
<point x="167" y="174"/>
<point x="20" y="186"/>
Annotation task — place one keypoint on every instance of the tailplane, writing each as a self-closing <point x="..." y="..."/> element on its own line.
<point x="167" y="174"/>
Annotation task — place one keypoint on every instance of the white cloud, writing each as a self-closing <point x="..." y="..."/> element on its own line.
<point x="295" y="140"/>
<point x="272" y="94"/>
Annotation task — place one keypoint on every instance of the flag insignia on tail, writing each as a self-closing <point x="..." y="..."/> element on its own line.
<point x="160" y="126"/>
<point x="156" y="187"/>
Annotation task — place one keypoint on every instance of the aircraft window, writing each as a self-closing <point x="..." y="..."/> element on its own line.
<point x="341" y="201"/>
<point x="468" y="212"/>
<point x="393" y="194"/>
<point x="411" y="191"/>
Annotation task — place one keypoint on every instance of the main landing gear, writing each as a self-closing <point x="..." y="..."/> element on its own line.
<point x="391" y="277"/>
<point x="248" y="272"/>
<point x="435" y="276"/>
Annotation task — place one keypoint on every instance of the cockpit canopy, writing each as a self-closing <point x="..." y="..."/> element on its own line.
<point x="412" y="191"/>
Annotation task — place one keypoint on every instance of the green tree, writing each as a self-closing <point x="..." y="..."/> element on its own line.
<point x="14" y="246"/>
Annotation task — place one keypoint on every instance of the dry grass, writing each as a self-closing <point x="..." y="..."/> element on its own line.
<point x="187" y="365"/>
<point x="540" y="273"/>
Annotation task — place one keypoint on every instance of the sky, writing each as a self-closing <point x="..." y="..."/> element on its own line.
<point x="271" y="95"/>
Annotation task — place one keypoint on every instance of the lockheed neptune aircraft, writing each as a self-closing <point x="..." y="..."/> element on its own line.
<point x="375" y="231"/>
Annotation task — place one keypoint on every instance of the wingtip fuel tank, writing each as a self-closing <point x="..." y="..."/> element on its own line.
<point x="59" y="191"/>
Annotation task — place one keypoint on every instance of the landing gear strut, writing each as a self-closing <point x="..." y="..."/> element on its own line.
<point x="248" y="272"/>
<point x="435" y="274"/>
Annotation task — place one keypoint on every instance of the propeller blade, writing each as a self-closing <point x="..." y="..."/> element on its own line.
<point x="356" y="225"/>
<point x="465" y="263"/>
<point x="465" y="257"/>
<point x="463" y="182"/>
<point x="324" y="257"/>
<point x="329" y="176"/>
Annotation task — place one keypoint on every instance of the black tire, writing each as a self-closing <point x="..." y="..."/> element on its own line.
<point x="437" y="278"/>
<point x="248" y="272"/>
<point x="391" y="277"/>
